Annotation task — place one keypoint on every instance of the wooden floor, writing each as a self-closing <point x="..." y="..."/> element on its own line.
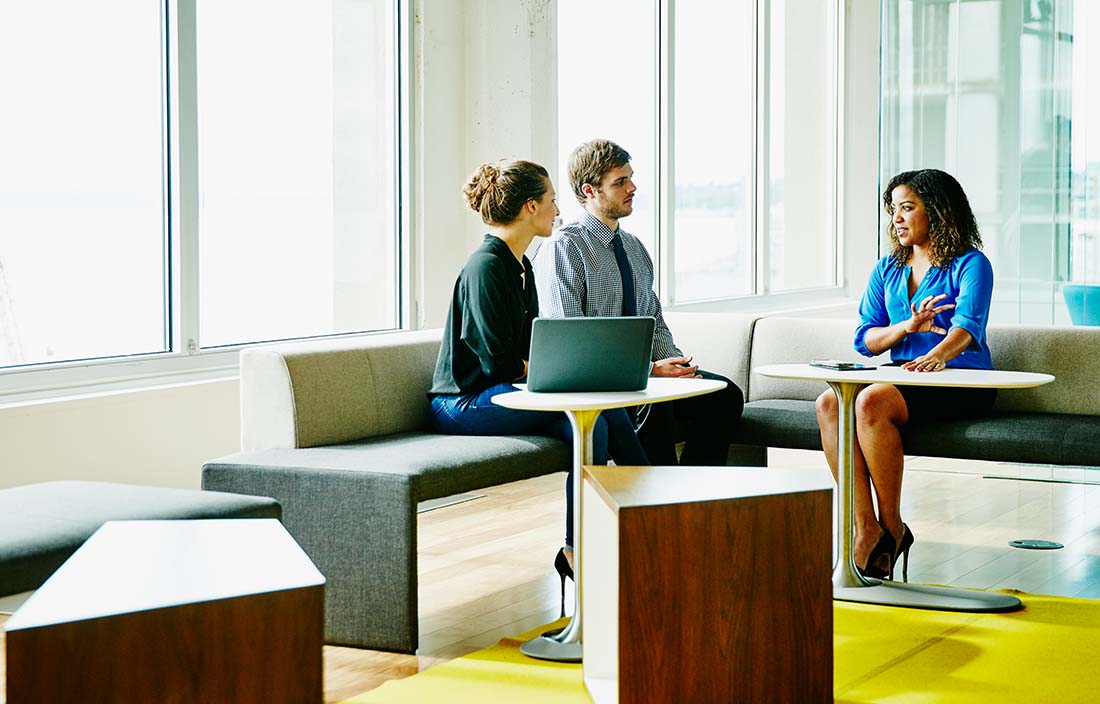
<point x="485" y="565"/>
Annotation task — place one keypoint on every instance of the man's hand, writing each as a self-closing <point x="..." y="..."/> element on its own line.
<point x="675" y="367"/>
<point x="922" y="318"/>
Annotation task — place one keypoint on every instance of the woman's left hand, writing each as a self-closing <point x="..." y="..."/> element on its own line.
<point x="926" y="363"/>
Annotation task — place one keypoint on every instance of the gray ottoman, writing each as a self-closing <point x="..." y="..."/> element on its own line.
<point x="41" y="525"/>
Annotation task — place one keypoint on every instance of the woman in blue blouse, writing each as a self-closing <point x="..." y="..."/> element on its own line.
<point x="928" y="303"/>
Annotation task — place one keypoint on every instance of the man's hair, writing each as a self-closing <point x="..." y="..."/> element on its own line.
<point x="952" y="227"/>
<point x="591" y="161"/>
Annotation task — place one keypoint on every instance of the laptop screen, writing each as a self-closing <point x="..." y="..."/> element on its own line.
<point x="590" y="354"/>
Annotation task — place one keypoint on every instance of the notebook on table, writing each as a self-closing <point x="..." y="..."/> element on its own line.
<point x="590" y="354"/>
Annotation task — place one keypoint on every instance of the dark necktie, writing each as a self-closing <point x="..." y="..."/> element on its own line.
<point x="630" y="306"/>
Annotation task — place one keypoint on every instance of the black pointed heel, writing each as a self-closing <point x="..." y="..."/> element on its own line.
<point x="561" y="564"/>
<point x="880" y="561"/>
<point x="903" y="549"/>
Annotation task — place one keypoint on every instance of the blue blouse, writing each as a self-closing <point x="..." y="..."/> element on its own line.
<point x="968" y="283"/>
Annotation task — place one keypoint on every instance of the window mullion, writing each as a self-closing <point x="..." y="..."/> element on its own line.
<point x="759" y="149"/>
<point x="666" y="149"/>
<point x="184" y="179"/>
<point x="403" y="194"/>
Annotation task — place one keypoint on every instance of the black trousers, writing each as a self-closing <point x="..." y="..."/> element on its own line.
<point x="704" y="423"/>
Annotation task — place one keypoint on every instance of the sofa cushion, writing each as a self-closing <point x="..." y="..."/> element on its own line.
<point x="437" y="465"/>
<point x="718" y="342"/>
<point x="779" y="423"/>
<point x="41" y="525"/>
<point x="1039" y="438"/>
<point x="1065" y="352"/>
<point x="797" y="341"/>
<point x="326" y="392"/>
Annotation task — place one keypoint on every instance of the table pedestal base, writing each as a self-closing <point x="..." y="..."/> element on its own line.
<point x="548" y="647"/>
<point x="921" y="596"/>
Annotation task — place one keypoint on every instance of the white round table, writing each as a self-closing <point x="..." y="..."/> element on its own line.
<point x="583" y="408"/>
<point x="848" y="583"/>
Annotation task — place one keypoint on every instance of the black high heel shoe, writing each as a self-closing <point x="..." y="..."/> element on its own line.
<point x="903" y="549"/>
<point x="561" y="564"/>
<point x="881" y="560"/>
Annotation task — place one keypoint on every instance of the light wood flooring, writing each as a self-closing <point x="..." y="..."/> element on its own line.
<point x="485" y="565"/>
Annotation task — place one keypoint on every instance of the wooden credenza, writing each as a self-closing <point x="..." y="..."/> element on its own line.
<point x="707" y="584"/>
<point x="173" y="611"/>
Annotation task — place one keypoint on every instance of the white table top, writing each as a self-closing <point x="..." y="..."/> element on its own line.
<point x="630" y="487"/>
<point x="975" y="378"/>
<point x="129" y="566"/>
<point x="658" y="389"/>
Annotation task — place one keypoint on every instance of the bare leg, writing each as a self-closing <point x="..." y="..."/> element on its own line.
<point x="867" y="528"/>
<point x="880" y="413"/>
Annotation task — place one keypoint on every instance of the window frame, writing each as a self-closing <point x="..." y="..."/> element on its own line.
<point x="761" y="298"/>
<point x="186" y="361"/>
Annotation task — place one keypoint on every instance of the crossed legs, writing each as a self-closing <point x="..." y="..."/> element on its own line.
<point x="879" y="461"/>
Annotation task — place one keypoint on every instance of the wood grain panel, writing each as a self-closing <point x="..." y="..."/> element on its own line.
<point x="727" y="597"/>
<point x="263" y="648"/>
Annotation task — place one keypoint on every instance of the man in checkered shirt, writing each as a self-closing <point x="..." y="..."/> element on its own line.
<point x="592" y="267"/>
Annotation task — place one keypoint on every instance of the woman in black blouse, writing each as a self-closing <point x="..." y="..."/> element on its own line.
<point x="488" y="332"/>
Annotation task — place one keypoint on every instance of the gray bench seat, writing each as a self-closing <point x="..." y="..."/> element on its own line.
<point x="433" y="465"/>
<point x="1036" y="438"/>
<point x="338" y="432"/>
<point x="41" y="525"/>
<point x="352" y="508"/>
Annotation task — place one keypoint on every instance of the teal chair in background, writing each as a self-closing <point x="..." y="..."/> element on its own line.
<point x="1083" y="301"/>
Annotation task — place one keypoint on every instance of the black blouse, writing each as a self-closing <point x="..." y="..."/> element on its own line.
<point x="488" y="332"/>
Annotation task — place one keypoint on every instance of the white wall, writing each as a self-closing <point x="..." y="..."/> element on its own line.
<point x="158" y="437"/>
<point x="485" y="90"/>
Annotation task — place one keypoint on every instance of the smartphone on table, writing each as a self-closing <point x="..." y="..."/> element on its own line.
<point x="839" y="366"/>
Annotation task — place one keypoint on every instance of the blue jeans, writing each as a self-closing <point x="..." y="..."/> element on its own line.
<point x="476" y="414"/>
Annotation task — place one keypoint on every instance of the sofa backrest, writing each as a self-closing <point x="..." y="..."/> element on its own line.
<point x="1065" y="352"/>
<point x="1069" y="353"/>
<point x="327" y="392"/>
<point x="797" y="341"/>
<point x="719" y="342"/>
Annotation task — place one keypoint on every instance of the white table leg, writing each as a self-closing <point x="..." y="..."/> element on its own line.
<point x="565" y="645"/>
<point x="848" y="583"/>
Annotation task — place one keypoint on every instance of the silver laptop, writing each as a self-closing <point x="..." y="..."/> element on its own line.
<point x="590" y="354"/>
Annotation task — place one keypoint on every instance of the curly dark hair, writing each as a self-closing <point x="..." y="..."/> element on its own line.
<point x="952" y="228"/>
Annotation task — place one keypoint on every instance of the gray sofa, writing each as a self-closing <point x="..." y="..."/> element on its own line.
<point x="337" y="433"/>
<point x="1058" y="423"/>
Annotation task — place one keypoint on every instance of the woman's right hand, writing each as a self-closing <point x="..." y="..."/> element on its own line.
<point x="923" y="316"/>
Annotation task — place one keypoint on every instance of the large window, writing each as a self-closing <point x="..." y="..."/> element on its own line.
<point x="741" y="97"/>
<point x="1012" y="110"/>
<point x="297" y="182"/>
<point x="182" y="175"/>
<point x="712" y="249"/>
<point x="82" y="181"/>
<point x="606" y="89"/>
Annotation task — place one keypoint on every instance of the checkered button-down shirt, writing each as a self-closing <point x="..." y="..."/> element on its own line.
<point x="577" y="275"/>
